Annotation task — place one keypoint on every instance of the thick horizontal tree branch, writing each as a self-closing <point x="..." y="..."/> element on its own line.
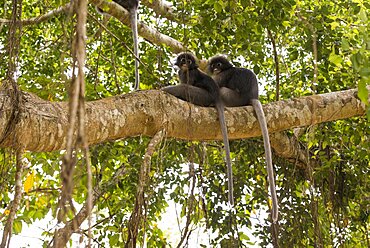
<point x="43" y="125"/>
<point x="161" y="8"/>
<point x="123" y="16"/>
<point x="144" y="30"/>
<point x="290" y="149"/>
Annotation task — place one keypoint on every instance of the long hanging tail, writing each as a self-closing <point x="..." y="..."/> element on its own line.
<point x="270" y="170"/>
<point x="221" y="116"/>
<point x="133" y="19"/>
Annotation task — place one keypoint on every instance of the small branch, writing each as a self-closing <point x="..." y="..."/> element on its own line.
<point x="136" y="216"/>
<point x="13" y="39"/>
<point x="35" y="20"/>
<point x="314" y="49"/>
<point x="144" y="30"/>
<point x="64" y="234"/>
<point x="13" y="43"/>
<point x="76" y="121"/>
<point x="277" y="68"/>
<point x="161" y="8"/>
<point x="122" y="15"/>
<point x="7" y="233"/>
<point x="290" y="149"/>
<point x="103" y="27"/>
<point x="190" y="208"/>
<point x="69" y="158"/>
<point x="53" y="191"/>
<point x="315" y="68"/>
<point x="81" y="56"/>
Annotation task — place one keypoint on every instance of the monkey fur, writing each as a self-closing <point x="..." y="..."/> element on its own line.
<point x="239" y="87"/>
<point x="200" y="89"/>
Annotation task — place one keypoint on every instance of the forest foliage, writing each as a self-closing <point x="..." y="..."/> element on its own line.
<point x="296" y="48"/>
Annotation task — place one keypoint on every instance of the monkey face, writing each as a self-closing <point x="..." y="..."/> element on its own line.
<point x="186" y="61"/>
<point x="216" y="68"/>
<point x="218" y="64"/>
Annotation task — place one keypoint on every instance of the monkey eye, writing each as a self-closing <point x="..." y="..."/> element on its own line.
<point x="189" y="62"/>
<point x="183" y="60"/>
<point x="219" y="64"/>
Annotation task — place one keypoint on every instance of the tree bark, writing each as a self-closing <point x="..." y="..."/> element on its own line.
<point x="144" y="30"/>
<point x="162" y="8"/>
<point x="42" y="125"/>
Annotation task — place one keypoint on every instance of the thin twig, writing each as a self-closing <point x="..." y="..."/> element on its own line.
<point x="64" y="234"/>
<point x="76" y="116"/>
<point x="12" y="48"/>
<point x="135" y="218"/>
<point x="162" y="8"/>
<point x="122" y="42"/>
<point x="277" y="68"/>
<point x="144" y="30"/>
<point x="41" y="18"/>
<point x="191" y="200"/>
<point x="13" y="51"/>
<point x="148" y="33"/>
<point x="314" y="49"/>
<point x="17" y="199"/>
<point x="69" y="158"/>
<point x="81" y="56"/>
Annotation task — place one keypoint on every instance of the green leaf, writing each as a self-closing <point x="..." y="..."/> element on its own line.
<point x="334" y="25"/>
<point x="363" y="15"/>
<point x="365" y="72"/>
<point x="324" y="144"/>
<point x="17" y="226"/>
<point x="298" y="193"/>
<point x="243" y="236"/>
<point x="218" y="7"/>
<point x="286" y="23"/>
<point x="113" y="240"/>
<point x="363" y="93"/>
<point x="335" y="59"/>
<point x="345" y="44"/>
<point x="356" y="60"/>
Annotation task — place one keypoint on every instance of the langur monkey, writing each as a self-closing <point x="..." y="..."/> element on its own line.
<point x="131" y="6"/>
<point x="200" y="89"/>
<point x="239" y="87"/>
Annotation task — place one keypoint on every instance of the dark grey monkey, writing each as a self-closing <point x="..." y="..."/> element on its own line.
<point x="239" y="87"/>
<point x="200" y="89"/>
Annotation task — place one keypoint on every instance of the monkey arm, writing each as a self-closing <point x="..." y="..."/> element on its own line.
<point x="207" y="83"/>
